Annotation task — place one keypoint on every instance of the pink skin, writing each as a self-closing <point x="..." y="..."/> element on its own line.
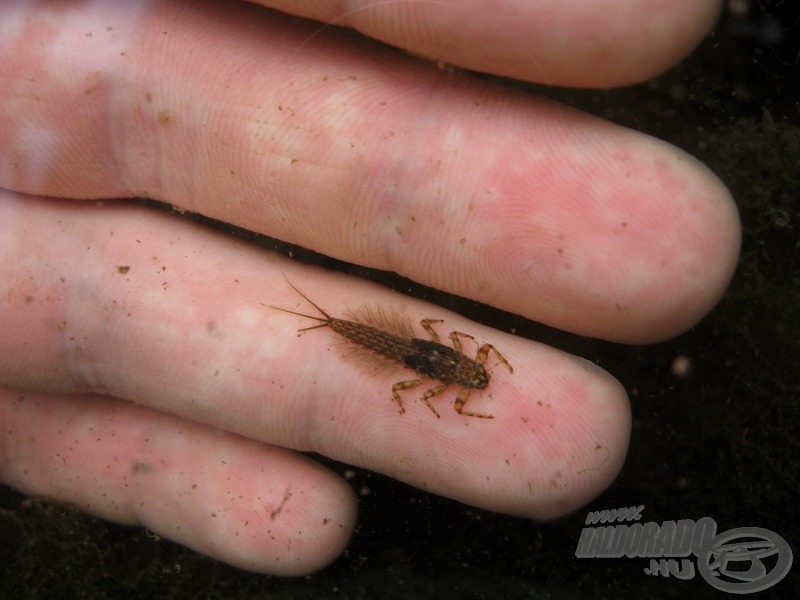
<point x="581" y="44"/>
<point x="380" y="159"/>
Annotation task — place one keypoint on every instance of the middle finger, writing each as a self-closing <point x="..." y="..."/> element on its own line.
<point x="133" y="303"/>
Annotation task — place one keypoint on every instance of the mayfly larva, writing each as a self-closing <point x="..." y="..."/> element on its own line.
<point x="429" y="358"/>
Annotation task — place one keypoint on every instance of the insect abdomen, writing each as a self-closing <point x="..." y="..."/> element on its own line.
<point x="432" y="359"/>
<point x="391" y="346"/>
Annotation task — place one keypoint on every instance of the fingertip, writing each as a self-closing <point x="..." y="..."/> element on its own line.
<point x="609" y="412"/>
<point x="691" y="254"/>
<point x="620" y="42"/>
<point x="637" y="249"/>
<point x="322" y="520"/>
<point x="704" y="261"/>
<point x="636" y="41"/>
<point x="260" y="508"/>
<point x="586" y="445"/>
<point x="252" y="505"/>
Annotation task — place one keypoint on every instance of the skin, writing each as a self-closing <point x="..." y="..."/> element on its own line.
<point x="142" y="378"/>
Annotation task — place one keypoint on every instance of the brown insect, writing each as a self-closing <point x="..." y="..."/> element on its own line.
<point x="429" y="358"/>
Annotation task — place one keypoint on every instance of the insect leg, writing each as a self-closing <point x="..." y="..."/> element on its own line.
<point x="461" y="400"/>
<point x="483" y="354"/>
<point x="455" y="338"/>
<point x="426" y="397"/>
<point x="426" y="325"/>
<point x="399" y="387"/>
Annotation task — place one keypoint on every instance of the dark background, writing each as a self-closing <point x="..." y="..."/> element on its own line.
<point x="722" y="442"/>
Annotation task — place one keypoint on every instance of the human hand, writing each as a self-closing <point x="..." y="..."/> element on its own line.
<point x="143" y="379"/>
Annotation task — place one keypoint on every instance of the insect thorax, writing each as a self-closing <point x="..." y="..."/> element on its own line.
<point x="441" y="362"/>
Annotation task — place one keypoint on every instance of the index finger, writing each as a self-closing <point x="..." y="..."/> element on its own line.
<point x="583" y="44"/>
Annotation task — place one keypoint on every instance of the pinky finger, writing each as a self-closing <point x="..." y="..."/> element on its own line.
<point x="252" y="505"/>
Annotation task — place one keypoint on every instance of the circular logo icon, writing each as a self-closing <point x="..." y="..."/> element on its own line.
<point x="734" y="560"/>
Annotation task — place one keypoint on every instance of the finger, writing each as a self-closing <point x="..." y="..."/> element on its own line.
<point x="139" y="305"/>
<point x="370" y="158"/>
<point x="254" y="506"/>
<point x="583" y="44"/>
